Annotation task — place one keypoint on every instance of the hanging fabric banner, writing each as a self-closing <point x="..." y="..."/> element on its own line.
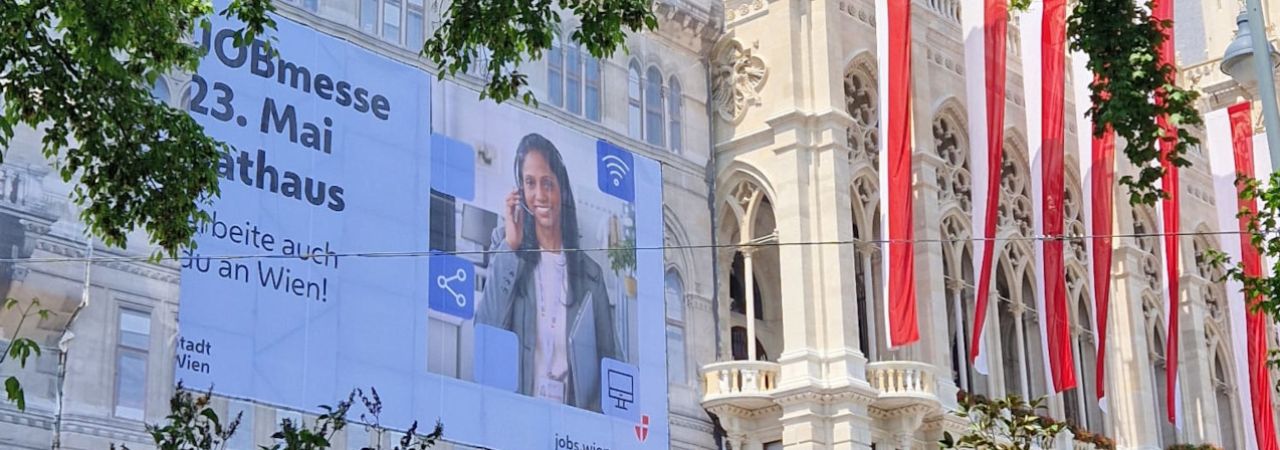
<point x="1231" y="143"/>
<point x="986" y="32"/>
<point x="1162" y="10"/>
<point x="1043" y="29"/>
<point x="893" y="48"/>
<point x="1097" y="172"/>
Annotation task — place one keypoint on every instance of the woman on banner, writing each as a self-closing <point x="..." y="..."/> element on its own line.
<point x="550" y="296"/>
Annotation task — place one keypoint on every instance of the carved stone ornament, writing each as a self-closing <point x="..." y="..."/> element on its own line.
<point x="737" y="77"/>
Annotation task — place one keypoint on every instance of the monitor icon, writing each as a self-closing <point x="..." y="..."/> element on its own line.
<point x="622" y="388"/>
<point x="620" y="394"/>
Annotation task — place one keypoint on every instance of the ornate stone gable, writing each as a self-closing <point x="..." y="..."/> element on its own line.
<point x="737" y="75"/>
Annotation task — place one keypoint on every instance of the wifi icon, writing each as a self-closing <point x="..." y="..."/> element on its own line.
<point x="614" y="173"/>
<point x="615" y="168"/>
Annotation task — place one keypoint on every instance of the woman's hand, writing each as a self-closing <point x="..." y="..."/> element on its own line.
<point x="514" y="229"/>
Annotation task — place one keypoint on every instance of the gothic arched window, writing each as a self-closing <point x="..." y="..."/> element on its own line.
<point x="954" y="182"/>
<point x="635" y="103"/>
<point x="653" y="108"/>
<point x="866" y="220"/>
<point x="860" y="102"/>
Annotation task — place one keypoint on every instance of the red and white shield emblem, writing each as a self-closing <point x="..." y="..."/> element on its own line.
<point x="642" y="428"/>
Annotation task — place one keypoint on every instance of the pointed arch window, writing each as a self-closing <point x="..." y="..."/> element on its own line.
<point x="573" y="79"/>
<point x="555" y="73"/>
<point x="675" y="115"/>
<point x="635" y="104"/>
<point x="653" y="108"/>
<point x="1225" y="394"/>
<point x="677" y="369"/>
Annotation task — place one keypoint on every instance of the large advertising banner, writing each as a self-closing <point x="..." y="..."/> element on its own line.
<point x="548" y="307"/>
<point x="485" y="274"/>
<point x="331" y="157"/>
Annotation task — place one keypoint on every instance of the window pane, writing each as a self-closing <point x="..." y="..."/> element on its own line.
<point x="555" y="73"/>
<point x="243" y="437"/>
<point x="369" y="16"/>
<point x="131" y="384"/>
<point x="634" y="114"/>
<point x="675" y="104"/>
<point x="413" y="27"/>
<point x="135" y="322"/>
<point x="135" y="329"/>
<point x="675" y="296"/>
<point x="311" y="5"/>
<point x="391" y="20"/>
<point x="653" y="128"/>
<point x="675" y="355"/>
<point x="573" y="77"/>
<point x="592" y="96"/>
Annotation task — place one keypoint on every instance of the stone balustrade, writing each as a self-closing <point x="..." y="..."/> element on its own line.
<point x="902" y="377"/>
<point x="903" y="383"/>
<point x="949" y="10"/>
<point x="744" y="384"/>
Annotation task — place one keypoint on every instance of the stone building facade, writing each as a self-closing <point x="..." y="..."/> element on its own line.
<point x="763" y="115"/>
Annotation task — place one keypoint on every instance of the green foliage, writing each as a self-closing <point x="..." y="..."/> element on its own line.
<point x="1132" y="88"/>
<point x="622" y="257"/>
<point x="410" y="440"/>
<point x="82" y="71"/>
<point x="317" y="436"/>
<point x="20" y="348"/>
<point x="192" y="424"/>
<point x="510" y="32"/>
<point x="1261" y="229"/>
<point x="1009" y="423"/>
<point x="1019" y="5"/>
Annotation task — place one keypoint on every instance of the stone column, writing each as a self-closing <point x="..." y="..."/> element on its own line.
<point x="723" y="312"/>
<point x="1199" y="400"/>
<point x="851" y="424"/>
<point x="1131" y="389"/>
<point x="930" y="287"/>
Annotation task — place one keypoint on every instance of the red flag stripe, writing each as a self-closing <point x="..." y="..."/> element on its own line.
<point x="995" y="33"/>
<point x="1102" y="184"/>
<point x="894" y="42"/>
<point x="1162" y="10"/>
<point x="1058" y="326"/>
<point x="1259" y="378"/>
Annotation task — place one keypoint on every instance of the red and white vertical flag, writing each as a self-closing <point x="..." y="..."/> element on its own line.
<point x="1097" y="172"/>
<point x="1231" y="143"/>
<point x="1044" y="34"/>
<point x="985" y="34"/>
<point x="1162" y="10"/>
<point x="893" y="49"/>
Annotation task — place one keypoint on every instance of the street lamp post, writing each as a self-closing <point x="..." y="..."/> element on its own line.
<point x="1249" y="43"/>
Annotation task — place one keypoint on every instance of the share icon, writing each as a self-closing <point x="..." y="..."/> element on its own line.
<point x="445" y="283"/>
<point x="452" y="286"/>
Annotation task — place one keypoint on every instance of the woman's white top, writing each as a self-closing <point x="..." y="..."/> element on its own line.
<point x="550" y="355"/>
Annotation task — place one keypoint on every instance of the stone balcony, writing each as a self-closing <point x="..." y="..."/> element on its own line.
<point x="903" y="384"/>
<point x="748" y="385"/>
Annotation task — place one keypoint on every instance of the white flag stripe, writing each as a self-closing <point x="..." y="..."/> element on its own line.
<point x="1218" y="143"/>
<point x="1081" y="77"/>
<point x="975" y="63"/>
<point x="1030" y="25"/>
<point x="882" y="81"/>
<point x="1164" y="294"/>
